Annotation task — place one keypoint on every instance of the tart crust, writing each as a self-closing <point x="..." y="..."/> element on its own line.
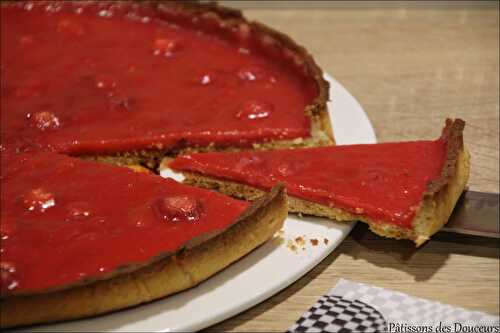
<point x="164" y="277"/>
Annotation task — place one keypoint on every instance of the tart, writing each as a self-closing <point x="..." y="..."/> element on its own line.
<point x="127" y="83"/>
<point x="402" y="190"/>
<point x="72" y="249"/>
<point x="137" y="80"/>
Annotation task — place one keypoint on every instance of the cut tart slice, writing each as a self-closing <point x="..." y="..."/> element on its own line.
<point x="402" y="190"/>
<point x="137" y="80"/>
<point x="81" y="238"/>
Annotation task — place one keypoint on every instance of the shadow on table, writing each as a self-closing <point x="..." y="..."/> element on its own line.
<point x="362" y="244"/>
<point x="422" y="262"/>
<point x="425" y="261"/>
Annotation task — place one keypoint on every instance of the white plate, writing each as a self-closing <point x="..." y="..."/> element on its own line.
<point x="257" y="276"/>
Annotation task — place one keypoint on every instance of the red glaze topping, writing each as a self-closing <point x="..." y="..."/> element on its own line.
<point x="385" y="182"/>
<point x="79" y="78"/>
<point x="64" y="220"/>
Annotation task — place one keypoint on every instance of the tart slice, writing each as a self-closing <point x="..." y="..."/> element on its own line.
<point x="81" y="238"/>
<point x="404" y="190"/>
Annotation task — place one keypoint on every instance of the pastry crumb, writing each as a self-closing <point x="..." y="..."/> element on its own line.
<point x="297" y="243"/>
<point x="290" y="244"/>
<point x="300" y="241"/>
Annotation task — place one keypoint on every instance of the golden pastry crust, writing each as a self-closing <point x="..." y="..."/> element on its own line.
<point x="169" y="275"/>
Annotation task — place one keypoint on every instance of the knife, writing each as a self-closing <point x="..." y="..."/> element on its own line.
<point x="476" y="213"/>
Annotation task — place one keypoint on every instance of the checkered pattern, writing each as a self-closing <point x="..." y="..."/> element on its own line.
<point x="337" y="314"/>
<point x="357" y="307"/>
<point x="401" y="308"/>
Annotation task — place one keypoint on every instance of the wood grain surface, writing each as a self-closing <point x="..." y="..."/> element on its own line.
<point x="410" y="66"/>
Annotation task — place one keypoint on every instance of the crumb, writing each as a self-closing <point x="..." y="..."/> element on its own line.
<point x="300" y="241"/>
<point x="290" y="244"/>
<point x="280" y="233"/>
<point x="314" y="241"/>
<point x="325" y="241"/>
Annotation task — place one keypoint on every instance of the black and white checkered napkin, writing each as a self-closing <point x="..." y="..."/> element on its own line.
<point x="357" y="307"/>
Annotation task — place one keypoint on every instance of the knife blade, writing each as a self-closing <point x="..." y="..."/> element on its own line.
<point x="476" y="213"/>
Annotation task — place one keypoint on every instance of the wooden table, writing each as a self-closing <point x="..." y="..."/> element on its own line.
<point x="410" y="66"/>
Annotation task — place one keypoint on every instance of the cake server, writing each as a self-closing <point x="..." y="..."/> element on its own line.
<point x="476" y="213"/>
